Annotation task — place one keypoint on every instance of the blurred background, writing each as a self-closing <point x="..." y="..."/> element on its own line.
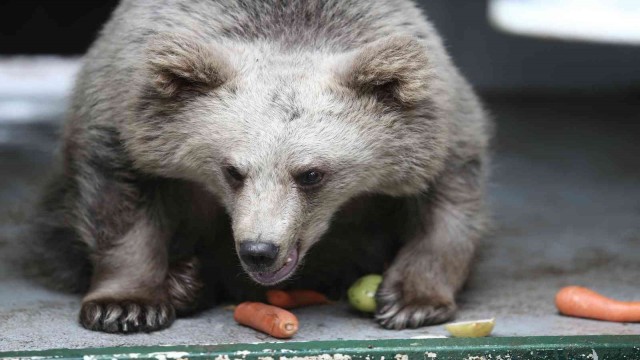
<point x="561" y="78"/>
<point x="599" y="52"/>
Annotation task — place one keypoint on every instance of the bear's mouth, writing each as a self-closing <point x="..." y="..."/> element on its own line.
<point x="274" y="277"/>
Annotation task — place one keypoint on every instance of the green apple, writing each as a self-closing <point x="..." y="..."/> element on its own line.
<point x="362" y="294"/>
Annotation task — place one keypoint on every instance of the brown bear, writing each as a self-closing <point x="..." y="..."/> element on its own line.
<point x="216" y="147"/>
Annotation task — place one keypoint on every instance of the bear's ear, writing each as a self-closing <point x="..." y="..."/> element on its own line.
<point x="178" y="64"/>
<point x="394" y="68"/>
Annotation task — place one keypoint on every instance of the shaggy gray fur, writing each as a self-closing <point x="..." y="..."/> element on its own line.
<point x="195" y="123"/>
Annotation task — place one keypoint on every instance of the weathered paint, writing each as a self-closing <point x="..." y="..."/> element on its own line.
<point x="169" y="355"/>
<point x="503" y="348"/>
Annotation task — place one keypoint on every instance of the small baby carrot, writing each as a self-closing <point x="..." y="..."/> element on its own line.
<point x="269" y="319"/>
<point x="582" y="302"/>
<point x="295" y="298"/>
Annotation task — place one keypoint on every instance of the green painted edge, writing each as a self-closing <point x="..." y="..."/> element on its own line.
<point x="499" y="348"/>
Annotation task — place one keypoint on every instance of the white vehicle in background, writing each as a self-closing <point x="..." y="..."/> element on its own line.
<point x="610" y="21"/>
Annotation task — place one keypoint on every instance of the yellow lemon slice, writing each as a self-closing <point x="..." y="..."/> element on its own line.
<point x="478" y="328"/>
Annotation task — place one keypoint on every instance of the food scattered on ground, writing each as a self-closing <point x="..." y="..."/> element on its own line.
<point x="582" y="302"/>
<point x="269" y="319"/>
<point x="478" y="328"/>
<point x="362" y="294"/>
<point x="290" y="299"/>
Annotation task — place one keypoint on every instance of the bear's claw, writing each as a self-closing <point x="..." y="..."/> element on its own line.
<point x="396" y="312"/>
<point x="400" y="316"/>
<point x="126" y="316"/>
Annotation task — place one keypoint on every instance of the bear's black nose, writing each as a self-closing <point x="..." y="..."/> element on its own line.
<point x="258" y="255"/>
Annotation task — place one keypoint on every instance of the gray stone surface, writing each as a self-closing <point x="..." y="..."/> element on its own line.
<point x="566" y="200"/>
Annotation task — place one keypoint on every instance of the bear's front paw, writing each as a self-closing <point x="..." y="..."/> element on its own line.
<point x="401" y="306"/>
<point x="126" y="316"/>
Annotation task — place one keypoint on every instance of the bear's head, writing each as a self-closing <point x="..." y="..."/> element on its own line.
<point x="283" y="136"/>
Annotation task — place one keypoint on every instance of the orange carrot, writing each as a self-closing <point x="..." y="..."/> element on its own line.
<point x="269" y="319"/>
<point x="582" y="302"/>
<point x="295" y="298"/>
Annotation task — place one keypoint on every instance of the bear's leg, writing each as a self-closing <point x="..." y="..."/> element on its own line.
<point x="419" y="287"/>
<point x="128" y="291"/>
<point x="184" y="286"/>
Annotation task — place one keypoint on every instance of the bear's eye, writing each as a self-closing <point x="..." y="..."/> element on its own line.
<point x="234" y="175"/>
<point x="309" y="178"/>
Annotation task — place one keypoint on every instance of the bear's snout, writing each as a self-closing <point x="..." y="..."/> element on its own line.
<point x="263" y="260"/>
<point x="258" y="255"/>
